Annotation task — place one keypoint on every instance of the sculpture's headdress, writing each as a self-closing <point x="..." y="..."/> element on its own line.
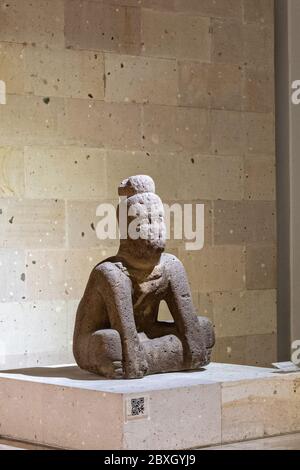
<point x="136" y="185"/>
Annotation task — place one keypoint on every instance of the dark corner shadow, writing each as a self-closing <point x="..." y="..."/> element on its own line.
<point x="286" y="372"/>
<point x="65" y="372"/>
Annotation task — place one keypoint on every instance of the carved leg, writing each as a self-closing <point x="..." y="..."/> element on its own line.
<point x="102" y="354"/>
<point x="165" y="351"/>
<point x="164" y="354"/>
<point x="208" y="332"/>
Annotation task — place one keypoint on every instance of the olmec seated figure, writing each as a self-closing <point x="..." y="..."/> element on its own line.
<point x="117" y="332"/>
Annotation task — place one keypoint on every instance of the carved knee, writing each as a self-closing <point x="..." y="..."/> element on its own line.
<point x="102" y="354"/>
<point x="208" y="335"/>
<point x="108" y="345"/>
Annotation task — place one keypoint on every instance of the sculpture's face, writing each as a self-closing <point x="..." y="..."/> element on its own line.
<point x="146" y="229"/>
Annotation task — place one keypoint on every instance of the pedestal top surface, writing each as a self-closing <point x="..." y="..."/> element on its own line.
<point x="72" y="376"/>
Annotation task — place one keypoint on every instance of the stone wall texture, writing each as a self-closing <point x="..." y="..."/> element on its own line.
<point x="98" y="90"/>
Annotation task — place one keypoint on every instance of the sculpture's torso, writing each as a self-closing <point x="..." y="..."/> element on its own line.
<point x="148" y="289"/>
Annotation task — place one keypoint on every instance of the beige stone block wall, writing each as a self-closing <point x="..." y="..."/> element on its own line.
<point x="66" y="73"/>
<point x="182" y="90"/>
<point x="12" y="175"/>
<point x="141" y="79"/>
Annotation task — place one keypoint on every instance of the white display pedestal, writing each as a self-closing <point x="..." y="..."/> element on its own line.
<point x="65" y="407"/>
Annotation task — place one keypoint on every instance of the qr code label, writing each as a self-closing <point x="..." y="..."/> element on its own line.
<point x="136" y="407"/>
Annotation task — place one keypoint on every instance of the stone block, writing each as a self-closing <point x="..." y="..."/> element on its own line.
<point x="65" y="73"/>
<point x="140" y="80"/>
<point x="167" y="34"/>
<point x="214" y="8"/>
<point x="258" y="90"/>
<point x="223" y="403"/>
<point x="12" y="275"/>
<point x="159" y="166"/>
<point x="12" y="67"/>
<point x="168" y="5"/>
<point x="88" y="401"/>
<point x="82" y="225"/>
<point x="60" y="274"/>
<point x="227" y="42"/>
<point x="72" y="413"/>
<point x="183" y="227"/>
<point x="253" y="350"/>
<point x="210" y="85"/>
<point x="261" y="11"/>
<point x="28" y="120"/>
<point x="72" y="306"/>
<point x="177" y="432"/>
<point x="11" y="172"/>
<point x="261" y="350"/>
<point x="102" y="26"/>
<point x="44" y="342"/>
<point x="215" y="268"/>
<point x="261" y="261"/>
<point x="260" y="179"/>
<point x="29" y="223"/>
<point x="260" y="133"/>
<point x="169" y="128"/>
<point x="120" y="164"/>
<point x="204" y="304"/>
<point x="245" y="44"/>
<point x="217" y="177"/>
<point x="244" y="313"/>
<point x="241" y="222"/>
<point x="130" y="3"/>
<point x="226" y="86"/>
<point x="33" y="21"/>
<point x="231" y="350"/>
<point x="268" y="407"/>
<point x="194" y="84"/>
<point x="228" y="136"/>
<point x="65" y="172"/>
<point x="258" y="43"/>
<point x="111" y="125"/>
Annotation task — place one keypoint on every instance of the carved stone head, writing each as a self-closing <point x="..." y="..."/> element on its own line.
<point x="141" y="218"/>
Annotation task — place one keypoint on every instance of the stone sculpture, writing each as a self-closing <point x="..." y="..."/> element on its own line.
<point x="117" y="333"/>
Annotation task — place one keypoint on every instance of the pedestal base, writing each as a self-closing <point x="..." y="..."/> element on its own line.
<point x="66" y="407"/>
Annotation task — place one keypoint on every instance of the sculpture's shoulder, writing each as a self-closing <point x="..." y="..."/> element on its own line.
<point x="168" y="259"/>
<point x="108" y="267"/>
<point x="173" y="267"/>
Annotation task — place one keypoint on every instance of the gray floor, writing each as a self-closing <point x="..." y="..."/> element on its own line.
<point x="288" y="442"/>
<point x="7" y="444"/>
